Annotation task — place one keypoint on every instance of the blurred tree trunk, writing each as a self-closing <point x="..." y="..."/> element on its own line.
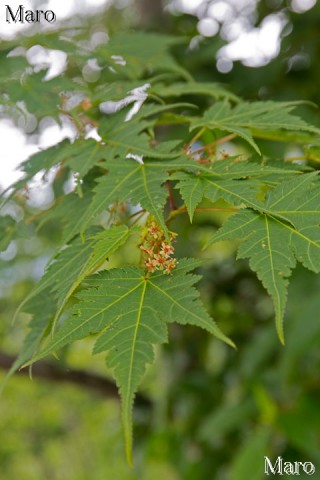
<point x="56" y="373"/>
<point x="151" y="13"/>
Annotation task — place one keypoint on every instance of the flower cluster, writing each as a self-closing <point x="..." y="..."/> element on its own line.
<point x="158" y="250"/>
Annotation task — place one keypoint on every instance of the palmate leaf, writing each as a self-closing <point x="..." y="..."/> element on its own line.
<point x="125" y="180"/>
<point x="143" y="184"/>
<point x="274" y="246"/>
<point x="256" y="115"/>
<point x="130" y="311"/>
<point x="120" y="138"/>
<point x="129" y="180"/>
<point x="237" y="182"/>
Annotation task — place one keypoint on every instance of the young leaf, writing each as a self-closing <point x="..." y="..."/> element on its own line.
<point x="130" y="311"/>
<point x="273" y="245"/>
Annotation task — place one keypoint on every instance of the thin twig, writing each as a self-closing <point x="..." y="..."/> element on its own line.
<point x="143" y="210"/>
<point x="142" y="213"/>
<point x="171" y="197"/>
<point x="225" y="139"/>
<point x="195" y="138"/>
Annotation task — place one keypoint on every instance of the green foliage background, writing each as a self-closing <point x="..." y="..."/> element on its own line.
<point x="215" y="412"/>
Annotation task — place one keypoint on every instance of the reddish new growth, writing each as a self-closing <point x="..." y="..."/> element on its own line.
<point x="158" y="250"/>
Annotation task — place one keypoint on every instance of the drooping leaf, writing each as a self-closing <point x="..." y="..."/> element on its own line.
<point x="130" y="310"/>
<point x="274" y="246"/>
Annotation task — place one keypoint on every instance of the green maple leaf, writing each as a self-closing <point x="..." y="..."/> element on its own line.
<point x="129" y="310"/>
<point x="125" y="180"/>
<point x="274" y="245"/>
<point x="245" y="117"/>
<point x="129" y="180"/>
<point x="119" y="139"/>
<point x="239" y="183"/>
